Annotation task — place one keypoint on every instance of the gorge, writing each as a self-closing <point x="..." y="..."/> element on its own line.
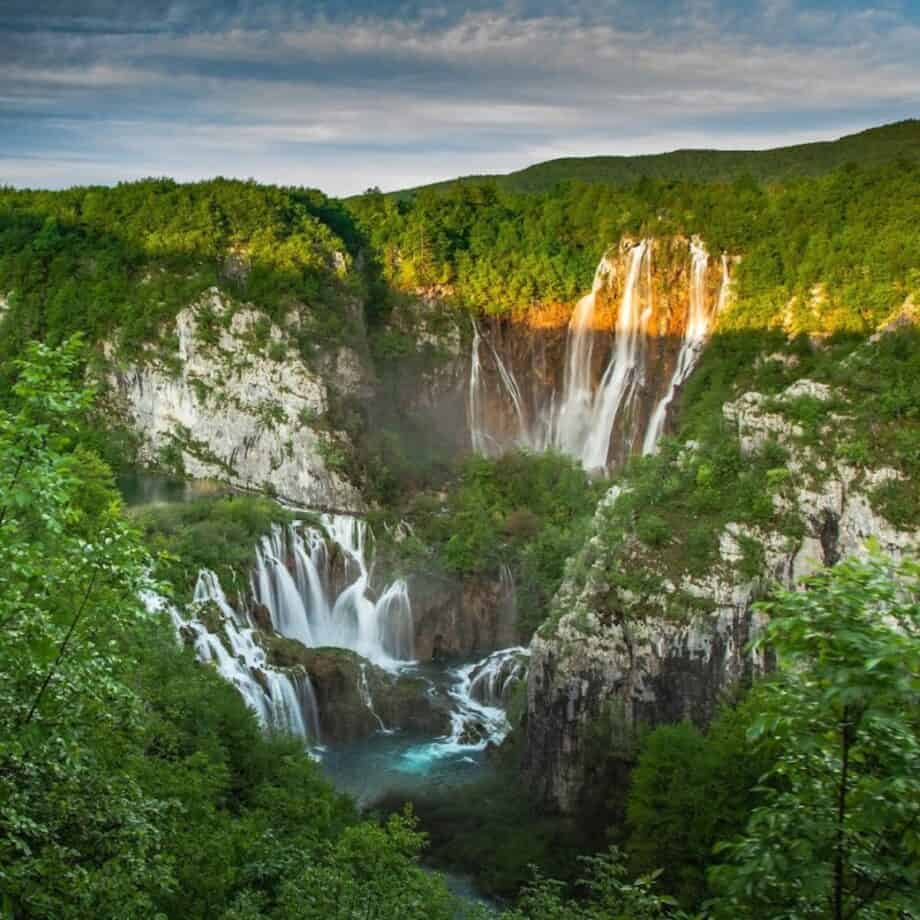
<point x="488" y="503"/>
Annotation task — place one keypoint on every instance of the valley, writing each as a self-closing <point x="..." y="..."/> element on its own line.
<point x="474" y="511"/>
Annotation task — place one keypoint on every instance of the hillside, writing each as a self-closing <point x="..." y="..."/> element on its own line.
<point x="871" y="147"/>
<point x="556" y="446"/>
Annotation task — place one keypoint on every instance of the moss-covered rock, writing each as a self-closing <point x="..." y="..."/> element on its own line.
<point x="355" y="698"/>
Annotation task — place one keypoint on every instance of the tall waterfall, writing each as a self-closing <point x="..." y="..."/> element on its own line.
<point x="573" y="419"/>
<point x="514" y="392"/>
<point x="478" y="435"/>
<point x="482" y="442"/>
<point x="580" y="415"/>
<point x="691" y="346"/>
<point x="624" y="370"/>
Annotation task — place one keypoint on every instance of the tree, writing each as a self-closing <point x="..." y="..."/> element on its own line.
<point x="609" y="895"/>
<point x="838" y="831"/>
<point x="688" y="791"/>
<point x="77" y="837"/>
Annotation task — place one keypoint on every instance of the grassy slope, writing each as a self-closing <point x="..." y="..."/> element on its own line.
<point x="871" y="147"/>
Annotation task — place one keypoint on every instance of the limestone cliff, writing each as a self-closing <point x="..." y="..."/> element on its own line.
<point x="234" y="402"/>
<point x="462" y="617"/>
<point x="636" y="642"/>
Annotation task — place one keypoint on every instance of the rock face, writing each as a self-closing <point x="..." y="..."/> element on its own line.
<point x="230" y="411"/>
<point x="355" y="698"/>
<point x="422" y="383"/>
<point x="619" y="656"/>
<point x="460" y="619"/>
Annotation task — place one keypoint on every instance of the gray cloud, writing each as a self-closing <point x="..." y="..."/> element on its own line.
<point x="393" y="93"/>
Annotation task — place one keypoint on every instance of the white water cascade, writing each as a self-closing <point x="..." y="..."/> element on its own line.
<point x="282" y="700"/>
<point x="491" y="680"/>
<point x="582" y="423"/>
<point x="364" y="691"/>
<point x="624" y="370"/>
<point x="695" y="332"/>
<point x="571" y="423"/>
<point x="478" y="435"/>
<point x="480" y="695"/>
<point x="581" y="417"/>
<point x="301" y="604"/>
<point x="514" y="392"/>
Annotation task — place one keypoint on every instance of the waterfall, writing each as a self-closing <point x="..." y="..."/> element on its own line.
<point x="309" y="559"/>
<point x="281" y="700"/>
<point x="480" y="694"/>
<point x="275" y="588"/>
<point x="364" y="691"/>
<point x="492" y="679"/>
<point x="393" y="615"/>
<point x="582" y="421"/>
<point x="478" y="436"/>
<point x="691" y="346"/>
<point x="510" y="384"/>
<point x="292" y="579"/>
<point x="622" y="372"/>
<point x="571" y="424"/>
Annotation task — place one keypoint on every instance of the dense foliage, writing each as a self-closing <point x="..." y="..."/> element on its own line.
<point x="689" y="790"/>
<point x="802" y="801"/>
<point x="96" y="259"/>
<point x="852" y="231"/>
<point x="837" y="833"/>
<point x="133" y="782"/>
<point x="527" y="512"/>
<point x="219" y="534"/>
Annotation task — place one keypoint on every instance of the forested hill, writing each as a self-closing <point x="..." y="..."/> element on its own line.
<point x="872" y="147"/>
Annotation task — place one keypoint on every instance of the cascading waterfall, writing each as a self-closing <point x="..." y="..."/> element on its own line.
<point x="281" y="700"/>
<point x="582" y="424"/>
<point x="300" y="604"/>
<point x="295" y="569"/>
<point x="492" y="679"/>
<point x="510" y="384"/>
<point x="695" y="332"/>
<point x="364" y="691"/>
<point x="393" y="613"/>
<point x="291" y="579"/>
<point x="478" y="434"/>
<point x="275" y="588"/>
<point x="479" y="694"/>
<point x="571" y="424"/>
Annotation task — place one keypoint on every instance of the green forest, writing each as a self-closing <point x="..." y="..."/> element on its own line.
<point x="134" y="780"/>
<point x="135" y="783"/>
<point x="871" y="147"/>
<point x="128" y="258"/>
<point x="852" y="231"/>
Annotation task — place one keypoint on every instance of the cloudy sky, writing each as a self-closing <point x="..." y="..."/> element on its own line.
<point x="344" y="95"/>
